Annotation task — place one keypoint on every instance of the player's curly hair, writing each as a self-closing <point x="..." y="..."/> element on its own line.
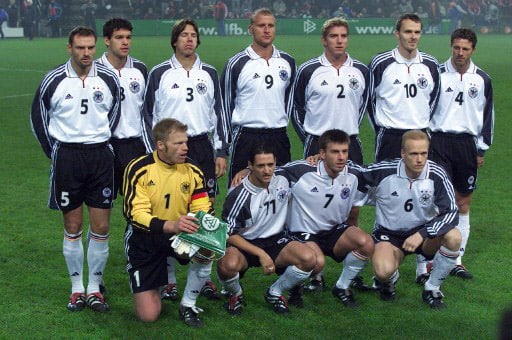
<point x="114" y="24"/>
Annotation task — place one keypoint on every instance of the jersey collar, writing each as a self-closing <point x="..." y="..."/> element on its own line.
<point x="401" y="60"/>
<point x="323" y="60"/>
<point x="253" y="55"/>
<point x="72" y="74"/>
<point x="176" y="64"/>
<point x="450" y="68"/>
<point x="252" y="188"/>
<point x="104" y="60"/>
<point x="401" y="171"/>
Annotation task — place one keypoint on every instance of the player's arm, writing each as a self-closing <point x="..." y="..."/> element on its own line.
<point x="265" y="260"/>
<point x="299" y="103"/>
<point x="115" y="111"/>
<point x="228" y="81"/>
<point x="147" y="112"/>
<point x="435" y="94"/>
<point x="353" y="217"/>
<point x="486" y="135"/>
<point x="40" y="120"/>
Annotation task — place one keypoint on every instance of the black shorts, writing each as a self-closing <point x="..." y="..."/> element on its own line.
<point x="125" y="150"/>
<point x="272" y="246"/>
<point x="244" y="140"/>
<point x="397" y="238"/>
<point x="81" y="173"/>
<point x="457" y="153"/>
<point x="326" y="240"/>
<point x="355" y="151"/>
<point x="201" y="153"/>
<point x="146" y="256"/>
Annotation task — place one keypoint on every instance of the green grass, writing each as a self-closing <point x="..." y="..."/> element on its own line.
<point x="34" y="285"/>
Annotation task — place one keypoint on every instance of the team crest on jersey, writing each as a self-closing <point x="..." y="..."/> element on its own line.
<point x="282" y="195"/>
<point x="471" y="180"/>
<point x="422" y="82"/>
<point x="107" y="192"/>
<point x="345" y="193"/>
<point x="210" y="183"/>
<point x="472" y="92"/>
<point x="201" y="88"/>
<point x="97" y="96"/>
<point x="353" y="83"/>
<point x="185" y="187"/>
<point x="425" y="198"/>
<point x="134" y="86"/>
<point x="283" y="74"/>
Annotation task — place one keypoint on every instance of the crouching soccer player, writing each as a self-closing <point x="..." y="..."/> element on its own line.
<point x="255" y="212"/>
<point x="160" y="189"/>
<point x="416" y="212"/>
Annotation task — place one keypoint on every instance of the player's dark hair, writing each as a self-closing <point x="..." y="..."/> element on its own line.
<point x="464" y="33"/>
<point x="82" y="32"/>
<point x="115" y="24"/>
<point x="165" y="127"/>
<point x="259" y="149"/>
<point x="414" y="135"/>
<point x="407" y="16"/>
<point x="333" y="22"/>
<point x="333" y="136"/>
<point x="179" y="26"/>
<point x="260" y="11"/>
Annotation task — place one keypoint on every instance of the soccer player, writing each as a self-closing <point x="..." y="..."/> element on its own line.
<point x="74" y="112"/>
<point x="324" y="209"/>
<point x="415" y="212"/>
<point x="256" y="85"/>
<point x="462" y="127"/>
<point x="160" y="189"/>
<point x="331" y="91"/>
<point x="132" y="74"/>
<point x="404" y="88"/>
<point x="187" y="89"/>
<point x="256" y="211"/>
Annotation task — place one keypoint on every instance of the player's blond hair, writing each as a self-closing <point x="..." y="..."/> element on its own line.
<point x="260" y="11"/>
<point x="333" y="22"/>
<point x="414" y="135"/>
<point x="165" y="127"/>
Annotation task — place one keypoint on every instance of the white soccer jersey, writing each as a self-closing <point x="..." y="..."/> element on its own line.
<point x="465" y="104"/>
<point x="71" y="110"/>
<point x="319" y="202"/>
<point x="132" y="78"/>
<point x="254" y="212"/>
<point x="192" y="97"/>
<point x="403" y="93"/>
<point x="328" y="98"/>
<point x="403" y="204"/>
<point x="256" y="91"/>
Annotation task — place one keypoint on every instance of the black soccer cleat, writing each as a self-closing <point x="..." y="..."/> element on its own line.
<point x="433" y="298"/>
<point x="461" y="271"/>
<point x="189" y="315"/>
<point x="315" y="285"/>
<point x="346" y="296"/>
<point x="279" y="303"/>
<point x="420" y="280"/>
<point x="235" y="304"/>
<point x="387" y="291"/>
<point x="358" y="283"/>
<point x="76" y="302"/>
<point x="97" y="302"/>
<point x="170" y="292"/>
<point x="296" y="296"/>
<point x="210" y="291"/>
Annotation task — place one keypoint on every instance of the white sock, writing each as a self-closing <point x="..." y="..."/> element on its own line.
<point x="444" y="260"/>
<point x="421" y="265"/>
<point x="232" y="286"/>
<point x="291" y="277"/>
<point x="73" y="251"/>
<point x="97" y="256"/>
<point x="318" y="276"/>
<point x="354" y="262"/>
<point x="196" y="277"/>
<point x="464" y="232"/>
<point x="171" y="269"/>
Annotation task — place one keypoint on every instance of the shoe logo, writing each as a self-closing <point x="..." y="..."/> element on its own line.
<point x="175" y="86"/>
<point x="69" y="96"/>
<point x="449" y="89"/>
<point x="394" y="193"/>
<point x="397" y="82"/>
<point x="256" y="76"/>
<point x="324" y="83"/>
<point x="315" y="189"/>
<point x="151" y="182"/>
<point x="195" y="291"/>
<point x="98" y="273"/>
<point x="75" y="274"/>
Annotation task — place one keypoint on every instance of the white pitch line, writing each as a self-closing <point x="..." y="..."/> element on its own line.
<point x="20" y="70"/>
<point x="17" y="96"/>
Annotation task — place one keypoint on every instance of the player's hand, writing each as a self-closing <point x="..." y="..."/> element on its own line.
<point x="313" y="160"/>
<point x="479" y="161"/>
<point x="186" y="224"/>
<point x="237" y="179"/>
<point x="220" y="166"/>
<point x="267" y="264"/>
<point x="412" y="242"/>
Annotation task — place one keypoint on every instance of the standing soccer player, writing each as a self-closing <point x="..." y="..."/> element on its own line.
<point x="331" y="91"/>
<point x="187" y="89"/>
<point x="132" y="74"/>
<point x="256" y="85"/>
<point x="74" y="112"/>
<point x="404" y="89"/>
<point x="462" y="127"/>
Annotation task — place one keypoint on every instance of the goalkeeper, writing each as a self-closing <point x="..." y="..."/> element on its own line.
<point x="160" y="190"/>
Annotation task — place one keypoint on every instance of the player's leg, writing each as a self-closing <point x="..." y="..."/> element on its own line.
<point x="148" y="305"/>
<point x="198" y="273"/>
<point x="317" y="281"/>
<point x="228" y="271"/>
<point x="385" y="261"/>
<point x="447" y="247"/>
<point x="463" y="203"/>
<point x="170" y="291"/>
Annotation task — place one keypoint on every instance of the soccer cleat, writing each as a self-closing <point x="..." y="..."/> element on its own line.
<point x="295" y="298"/>
<point x="209" y="291"/>
<point x="461" y="271"/>
<point x="279" y="303"/>
<point x="97" y="302"/>
<point x="170" y="292"/>
<point x="235" y="304"/>
<point x="76" y="302"/>
<point x="189" y="315"/>
<point x="315" y="285"/>
<point x="387" y="291"/>
<point x="434" y="298"/>
<point x="420" y="280"/>
<point x="345" y="296"/>
<point x="358" y="283"/>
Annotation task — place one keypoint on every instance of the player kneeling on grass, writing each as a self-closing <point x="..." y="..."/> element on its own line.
<point x="160" y="189"/>
<point x="255" y="212"/>
<point x="416" y="212"/>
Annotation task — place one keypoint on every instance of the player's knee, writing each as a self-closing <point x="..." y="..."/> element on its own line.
<point x="383" y="270"/>
<point x="367" y="246"/>
<point x="307" y="260"/>
<point x="148" y="312"/>
<point x="227" y="267"/>
<point x="452" y="239"/>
